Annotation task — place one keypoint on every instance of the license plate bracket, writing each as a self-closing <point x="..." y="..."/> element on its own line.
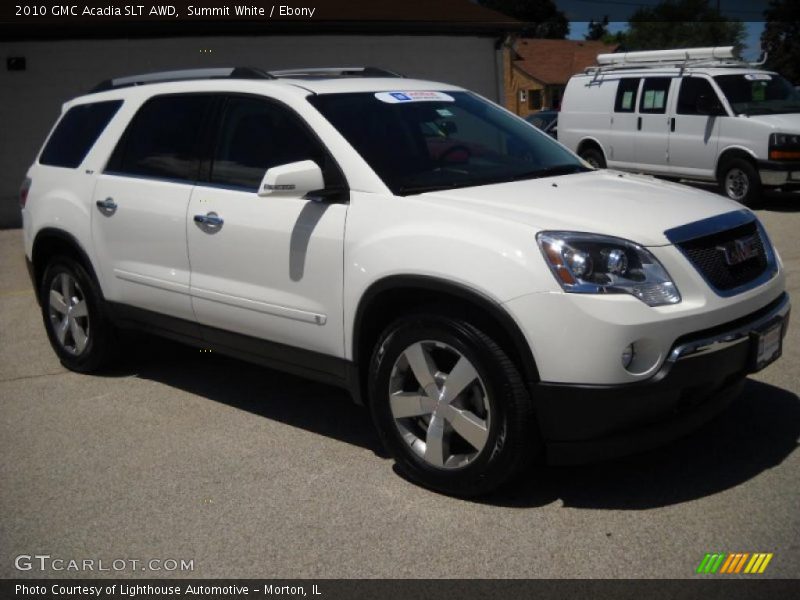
<point x="767" y="345"/>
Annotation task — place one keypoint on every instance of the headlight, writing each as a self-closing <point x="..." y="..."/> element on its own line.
<point x="585" y="263"/>
<point x="784" y="146"/>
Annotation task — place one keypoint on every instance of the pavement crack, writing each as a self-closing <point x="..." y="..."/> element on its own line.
<point x="24" y="377"/>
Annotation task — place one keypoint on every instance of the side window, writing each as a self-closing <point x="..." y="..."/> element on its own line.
<point x="626" y="95"/>
<point x="654" y="95"/>
<point x="258" y="134"/>
<point x="535" y="99"/>
<point x="691" y="89"/>
<point x="76" y="133"/>
<point x="162" y="139"/>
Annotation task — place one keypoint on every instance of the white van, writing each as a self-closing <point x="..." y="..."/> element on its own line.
<point x="694" y="114"/>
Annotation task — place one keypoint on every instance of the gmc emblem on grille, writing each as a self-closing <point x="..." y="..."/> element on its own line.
<point x="738" y="251"/>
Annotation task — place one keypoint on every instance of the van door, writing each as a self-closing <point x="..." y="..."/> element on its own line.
<point x="694" y="137"/>
<point x="267" y="267"/>
<point x="623" y="124"/>
<point x="140" y="203"/>
<point x="651" y="143"/>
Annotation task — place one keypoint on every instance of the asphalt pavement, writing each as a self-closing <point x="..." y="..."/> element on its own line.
<point x="189" y="456"/>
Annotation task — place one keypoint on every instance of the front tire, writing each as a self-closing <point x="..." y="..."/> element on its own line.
<point x="450" y="406"/>
<point x="74" y="317"/>
<point x="739" y="181"/>
<point x="594" y="157"/>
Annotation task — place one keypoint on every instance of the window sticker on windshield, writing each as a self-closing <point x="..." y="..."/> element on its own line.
<point x="759" y="92"/>
<point x="415" y="96"/>
<point x="444" y="112"/>
<point x="758" y="77"/>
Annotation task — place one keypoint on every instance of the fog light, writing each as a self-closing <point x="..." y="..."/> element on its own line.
<point x="627" y="355"/>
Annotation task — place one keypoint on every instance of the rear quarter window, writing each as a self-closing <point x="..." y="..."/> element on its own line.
<point x="77" y="132"/>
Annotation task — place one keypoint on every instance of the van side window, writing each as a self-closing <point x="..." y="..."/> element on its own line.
<point x="76" y="133"/>
<point x="626" y="95"/>
<point x="691" y="89"/>
<point x="654" y="95"/>
<point x="257" y="134"/>
<point x="162" y="139"/>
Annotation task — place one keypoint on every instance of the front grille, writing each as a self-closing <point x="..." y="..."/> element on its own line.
<point x="708" y="256"/>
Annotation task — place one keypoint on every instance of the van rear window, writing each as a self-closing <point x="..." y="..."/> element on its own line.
<point x="76" y="133"/>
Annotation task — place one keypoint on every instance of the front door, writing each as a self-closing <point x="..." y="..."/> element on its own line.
<point x="266" y="267"/>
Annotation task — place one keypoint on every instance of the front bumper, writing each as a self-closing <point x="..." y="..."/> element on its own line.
<point x="779" y="173"/>
<point x="704" y="372"/>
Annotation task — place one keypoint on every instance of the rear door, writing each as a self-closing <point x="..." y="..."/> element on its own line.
<point x="270" y="267"/>
<point x="140" y="203"/>
<point x="623" y="123"/>
<point x="651" y="143"/>
<point x="694" y="137"/>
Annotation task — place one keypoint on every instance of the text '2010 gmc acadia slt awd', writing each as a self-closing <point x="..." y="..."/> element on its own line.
<point x="485" y="293"/>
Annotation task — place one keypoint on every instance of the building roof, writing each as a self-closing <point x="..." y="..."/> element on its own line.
<point x="459" y="17"/>
<point x="555" y="61"/>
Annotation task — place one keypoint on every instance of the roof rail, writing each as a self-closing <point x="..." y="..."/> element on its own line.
<point x="183" y="75"/>
<point x="325" y="72"/>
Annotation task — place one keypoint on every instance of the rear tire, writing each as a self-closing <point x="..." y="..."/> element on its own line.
<point x="74" y="316"/>
<point x="594" y="157"/>
<point x="739" y="181"/>
<point x="466" y="441"/>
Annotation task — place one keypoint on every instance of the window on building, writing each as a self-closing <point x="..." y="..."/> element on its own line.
<point x="535" y="99"/>
<point x="76" y="133"/>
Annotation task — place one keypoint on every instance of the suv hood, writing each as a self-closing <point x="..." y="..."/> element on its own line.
<point x="635" y="207"/>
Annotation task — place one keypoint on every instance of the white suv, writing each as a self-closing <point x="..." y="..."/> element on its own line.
<point x="487" y="295"/>
<point x="695" y="114"/>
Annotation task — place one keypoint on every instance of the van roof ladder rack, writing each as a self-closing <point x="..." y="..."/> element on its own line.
<point x="183" y="75"/>
<point x="719" y="56"/>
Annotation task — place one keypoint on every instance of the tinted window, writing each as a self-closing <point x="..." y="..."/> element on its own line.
<point x="691" y="89"/>
<point x="626" y="95"/>
<point x="76" y="133"/>
<point x="162" y="139"/>
<point x="759" y="93"/>
<point x="442" y="140"/>
<point x="654" y="95"/>
<point x="257" y="134"/>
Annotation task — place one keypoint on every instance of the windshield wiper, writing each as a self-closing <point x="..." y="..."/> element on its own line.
<point x="565" y="169"/>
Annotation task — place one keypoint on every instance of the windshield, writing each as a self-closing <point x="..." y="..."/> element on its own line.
<point x="423" y="141"/>
<point x="759" y="93"/>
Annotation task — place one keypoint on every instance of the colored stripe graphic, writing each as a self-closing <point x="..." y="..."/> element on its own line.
<point x="734" y="563"/>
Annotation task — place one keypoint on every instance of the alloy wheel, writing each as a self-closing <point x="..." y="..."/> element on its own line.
<point x="69" y="314"/>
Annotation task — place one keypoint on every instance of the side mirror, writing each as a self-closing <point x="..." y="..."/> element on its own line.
<point x="292" y="179"/>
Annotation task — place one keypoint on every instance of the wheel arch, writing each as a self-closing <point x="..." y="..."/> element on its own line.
<point x="387" y="299"/>
<point x="731" y="153"/>
<point x="591" y="142"/>
<point x="51" y="241"/>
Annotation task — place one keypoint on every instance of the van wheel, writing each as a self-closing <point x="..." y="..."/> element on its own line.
<point x="72" y="308"/>
<point x="739" y="181"/>
<point x="594" y="157"/>
<point x="450" y="406"/>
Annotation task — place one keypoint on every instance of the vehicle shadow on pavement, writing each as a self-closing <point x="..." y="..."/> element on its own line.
<point x="771" y="200"/>
<point x="757" y="432"/>
<point x="281" y="397"/>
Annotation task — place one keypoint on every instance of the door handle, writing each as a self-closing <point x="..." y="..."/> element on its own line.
<point x="672" y="124"/>
<point x="210" y="222"/>
<point x="639" y="123"/>
<point x="107" y="207"/>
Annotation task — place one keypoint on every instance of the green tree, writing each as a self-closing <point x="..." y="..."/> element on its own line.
<point x="781" y="38"/>
<point x="597" y="30"/>
<point x="682" y="24"/>
<point x="543" y="18"/>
